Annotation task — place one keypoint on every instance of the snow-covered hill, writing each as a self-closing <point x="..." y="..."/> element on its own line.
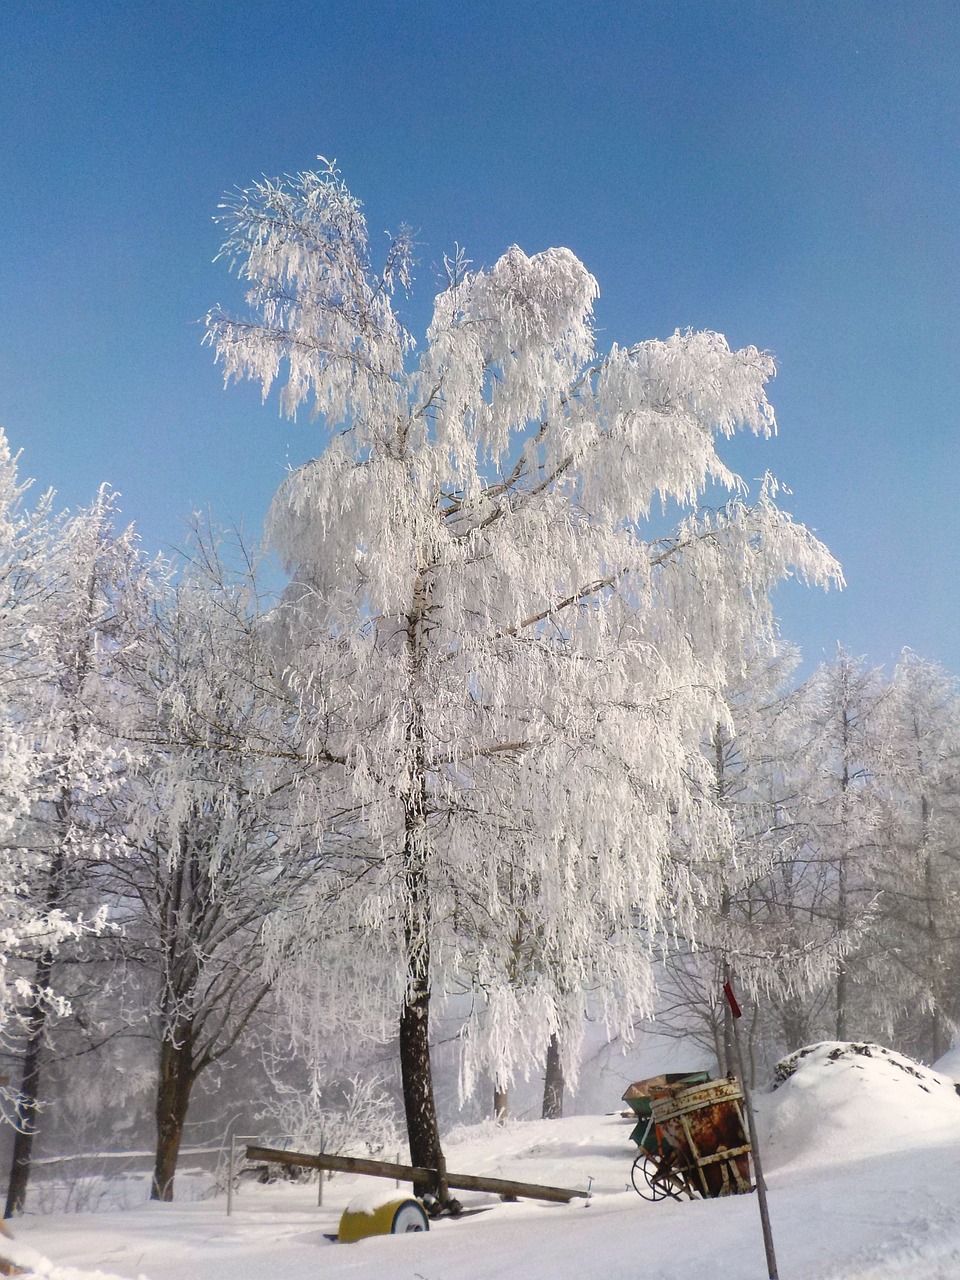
<point x="862" y="1157"/>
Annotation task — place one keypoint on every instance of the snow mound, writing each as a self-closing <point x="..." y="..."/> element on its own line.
<point x="839" y="1101"/>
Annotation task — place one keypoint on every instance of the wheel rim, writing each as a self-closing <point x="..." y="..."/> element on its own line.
<point x="654" y="1182"/>
<point x="642" y="1176"/>
<point x="409" y="1217"/>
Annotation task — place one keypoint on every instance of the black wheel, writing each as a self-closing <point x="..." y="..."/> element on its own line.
<point x="655" y="1180"/>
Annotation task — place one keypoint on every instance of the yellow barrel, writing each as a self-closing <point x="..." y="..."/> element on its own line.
<point x="391" y="1218"/>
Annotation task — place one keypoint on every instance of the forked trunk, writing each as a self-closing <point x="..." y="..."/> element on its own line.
<point x="553" y="1082"/>
<point x="173" y="1098"/>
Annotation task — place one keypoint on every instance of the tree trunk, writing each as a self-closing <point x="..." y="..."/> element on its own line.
<point x="939" y="1036"/>
<point x="553" y="1082"/>
<point x="173" y="1098"/>
<point x="841" y="987"/>
<point x="29" y="1095"/>
<point x="417" y="1078"/>
<point x="500" y="1105"/>
<point x="415" y="1068"/>
<point x="842" y="895"/>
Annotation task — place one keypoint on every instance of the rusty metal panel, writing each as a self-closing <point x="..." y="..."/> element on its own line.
<point x="705" y="1125"/>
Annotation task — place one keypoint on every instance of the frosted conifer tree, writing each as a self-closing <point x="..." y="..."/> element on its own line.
<point x="489" y="639"/>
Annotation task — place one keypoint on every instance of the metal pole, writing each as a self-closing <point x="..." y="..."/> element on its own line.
<point x="230" y="1169"/>
<point x="752" y="1125"/>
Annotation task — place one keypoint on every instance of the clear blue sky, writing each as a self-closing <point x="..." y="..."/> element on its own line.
<point x="787" y="173"/>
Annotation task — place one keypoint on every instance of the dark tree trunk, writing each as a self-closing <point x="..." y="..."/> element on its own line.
<point x="415" y="1068"/>
<point x="553" y="1082"/>
<point x="177" y="1075"/>
<point x="29" y="1095"/>
<point x="36" y="1027"/>
<point x="415" y="1072"/>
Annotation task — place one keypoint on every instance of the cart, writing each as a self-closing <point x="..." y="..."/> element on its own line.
<point x="692" y="1137"/>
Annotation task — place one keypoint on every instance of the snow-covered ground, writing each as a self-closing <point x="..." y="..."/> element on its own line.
<point x="862" y="1160"/>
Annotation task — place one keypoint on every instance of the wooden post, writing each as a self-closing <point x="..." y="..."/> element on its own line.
<point x="752" y="1125"/>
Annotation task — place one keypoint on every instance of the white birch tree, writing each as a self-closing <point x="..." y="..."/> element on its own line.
<point x="490" y="633"/>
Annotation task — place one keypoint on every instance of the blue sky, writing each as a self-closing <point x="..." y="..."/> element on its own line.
<point x="786" y="173"/>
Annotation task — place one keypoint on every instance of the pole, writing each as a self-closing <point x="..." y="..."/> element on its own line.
<point x="230" y="1169"/>
<point x="752" y="1125"/>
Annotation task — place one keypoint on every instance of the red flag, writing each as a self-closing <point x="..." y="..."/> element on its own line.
<point x="731" y="999"/>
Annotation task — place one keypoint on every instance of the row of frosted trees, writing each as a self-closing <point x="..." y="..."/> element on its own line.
<point x="148" y="765"/>
<point x="513" y="734"/>
<point x="836" y="898"/>
<point x="161" y="847"/>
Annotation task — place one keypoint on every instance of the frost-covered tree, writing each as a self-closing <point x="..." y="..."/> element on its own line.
<point x="210" y="840"/>
<point x="840" y="779"/>
<point x="490" y="632"/>
<point x="26" y="538"/>
<point x="90" y="585"/>
<point x="754" y="884"/>
<point x="919" y="965"/>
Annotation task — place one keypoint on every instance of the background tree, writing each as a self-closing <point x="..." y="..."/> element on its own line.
<point x="753" y="881"/>
<point x="91" y="580"/>
<point x="919" y="966"/>
<point x="211" y="844"/>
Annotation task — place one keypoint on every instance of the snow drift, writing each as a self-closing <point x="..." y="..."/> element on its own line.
<point x="841" y="1101"/>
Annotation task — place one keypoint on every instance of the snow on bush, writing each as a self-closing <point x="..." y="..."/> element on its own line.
<point x="839" y="1101"/>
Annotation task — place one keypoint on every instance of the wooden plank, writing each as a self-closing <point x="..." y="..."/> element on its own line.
<point x="412" y="1173"/>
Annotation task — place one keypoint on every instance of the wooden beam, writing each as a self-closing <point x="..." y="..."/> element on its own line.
<point x="411" y="1173"/>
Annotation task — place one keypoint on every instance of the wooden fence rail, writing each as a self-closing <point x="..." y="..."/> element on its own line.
<point x="412" y="1173"/>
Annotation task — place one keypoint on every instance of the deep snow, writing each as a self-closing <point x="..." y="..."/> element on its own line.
<point x="862" y="1161"/>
